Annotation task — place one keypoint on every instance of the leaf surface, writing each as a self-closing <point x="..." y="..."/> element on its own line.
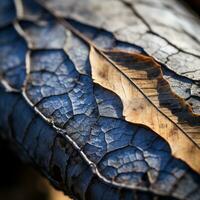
<point x="97" y="106"/>
<point x="147" y="97"/>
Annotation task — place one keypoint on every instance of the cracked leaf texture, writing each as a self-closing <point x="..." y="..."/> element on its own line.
<point x="104" y="101"/>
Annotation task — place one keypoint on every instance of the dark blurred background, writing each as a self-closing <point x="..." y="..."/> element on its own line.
<point x="19" y="181"/>
<point x="194" y="4"/>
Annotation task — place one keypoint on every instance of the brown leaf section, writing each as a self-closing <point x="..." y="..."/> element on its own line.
<point x="138" y="81"/>
<point x="146" y="73"/>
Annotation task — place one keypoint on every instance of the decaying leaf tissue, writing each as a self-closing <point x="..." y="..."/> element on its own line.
<point x="104" y="96"/>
